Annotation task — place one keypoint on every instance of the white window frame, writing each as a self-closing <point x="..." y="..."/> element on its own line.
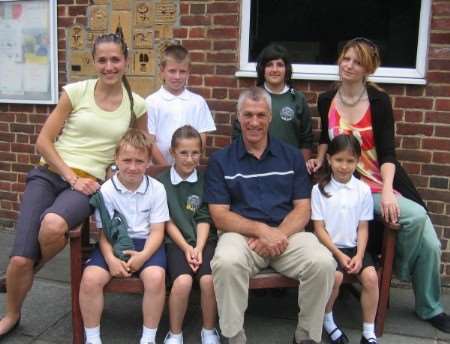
<point x="415" y="76"/>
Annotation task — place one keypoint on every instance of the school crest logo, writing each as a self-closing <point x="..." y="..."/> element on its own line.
<point x="193" y="203"/>
<point x="287" y="114"/>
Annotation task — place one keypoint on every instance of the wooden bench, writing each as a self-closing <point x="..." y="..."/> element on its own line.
<point x="80" y="248"/>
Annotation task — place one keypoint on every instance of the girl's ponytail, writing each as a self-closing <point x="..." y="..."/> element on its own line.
<point x="119" y="33"/>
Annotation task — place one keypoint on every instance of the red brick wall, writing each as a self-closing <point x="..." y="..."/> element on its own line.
<point x="210" y="29"/>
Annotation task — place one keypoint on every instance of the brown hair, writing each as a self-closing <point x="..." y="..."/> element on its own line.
<point x="176" y="52"/>
<point x="367" y="52"/>
<point x="185" y="132"/>
<point x="117" y="38"/>
<point x="137" y="139"/>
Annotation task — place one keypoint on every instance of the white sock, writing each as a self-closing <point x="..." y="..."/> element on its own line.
<point x="148" y="335"/>
<point x="369" y="330"/>
<point x="93" y="335"/>
<point x="330" y="326"/>
<point x="177" y="336"/>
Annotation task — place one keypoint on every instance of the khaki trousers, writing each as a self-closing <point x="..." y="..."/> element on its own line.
<point x="305" y="260"/>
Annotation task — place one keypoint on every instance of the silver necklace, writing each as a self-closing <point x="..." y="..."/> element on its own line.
<point x="350" y="104"/>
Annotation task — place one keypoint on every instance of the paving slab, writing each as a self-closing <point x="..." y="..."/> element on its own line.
<point x="45" y="305"/>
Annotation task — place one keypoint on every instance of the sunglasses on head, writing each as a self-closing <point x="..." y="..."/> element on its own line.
<point x="364" y="40"/>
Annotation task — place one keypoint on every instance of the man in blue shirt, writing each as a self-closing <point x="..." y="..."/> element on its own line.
<point x="259" y="197"/>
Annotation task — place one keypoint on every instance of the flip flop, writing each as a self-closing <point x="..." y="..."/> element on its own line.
<point x="11" y="330"/>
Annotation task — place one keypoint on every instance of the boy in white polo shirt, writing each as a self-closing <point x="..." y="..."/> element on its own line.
<point x="142" y="201"/>
<point x="173" y="106"/>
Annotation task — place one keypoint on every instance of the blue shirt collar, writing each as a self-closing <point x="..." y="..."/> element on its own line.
<point x="273" y="148"/>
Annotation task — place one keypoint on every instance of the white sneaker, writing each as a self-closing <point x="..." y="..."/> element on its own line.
<point x="210" y="338"/>
<point x="172" y="340"/>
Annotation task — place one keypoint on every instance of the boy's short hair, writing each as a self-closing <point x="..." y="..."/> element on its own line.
<point x="176" y="52"/>
<point x="137" y="139"/>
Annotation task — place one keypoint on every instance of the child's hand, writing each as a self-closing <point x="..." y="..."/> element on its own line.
<point x="344" y="260"/>
<point x="355" y="265"/>
<point x="136" y="260"/>
<point x="191" y="258"/>
<point x="198" y="255"/>
<point x="118" y="268"/>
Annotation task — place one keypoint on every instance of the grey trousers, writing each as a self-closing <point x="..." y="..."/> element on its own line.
<point x="305" y="260"/>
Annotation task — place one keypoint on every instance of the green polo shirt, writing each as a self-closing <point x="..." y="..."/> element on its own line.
<point x="186" y="207"/>
<point x="291" y="119"/>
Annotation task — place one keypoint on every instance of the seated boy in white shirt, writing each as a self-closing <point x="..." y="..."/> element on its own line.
<point x="142" y="201"/>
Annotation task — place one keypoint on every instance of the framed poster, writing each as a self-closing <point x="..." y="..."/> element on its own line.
<point x="28" y="52"/>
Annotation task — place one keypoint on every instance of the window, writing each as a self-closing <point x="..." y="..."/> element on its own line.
<point x="315" y="30"/>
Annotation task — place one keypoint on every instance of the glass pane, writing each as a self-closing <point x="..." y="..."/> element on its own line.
<point x="315" y="30"/>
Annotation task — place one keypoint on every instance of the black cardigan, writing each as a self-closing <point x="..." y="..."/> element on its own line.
<point x="383" y="132"/>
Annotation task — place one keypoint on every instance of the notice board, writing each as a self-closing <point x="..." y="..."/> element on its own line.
<point x="28" y="52"/>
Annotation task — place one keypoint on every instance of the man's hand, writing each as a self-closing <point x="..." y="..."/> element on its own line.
<point x="256" y="245"/>
<point x="270" y="243"/>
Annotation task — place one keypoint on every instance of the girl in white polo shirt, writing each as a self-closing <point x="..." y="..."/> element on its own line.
<point x="341" y="208"/>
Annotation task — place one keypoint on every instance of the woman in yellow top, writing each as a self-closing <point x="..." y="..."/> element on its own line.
<point x="77" y="144"/>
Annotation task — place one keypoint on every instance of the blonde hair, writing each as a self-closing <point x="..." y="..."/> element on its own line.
<point x="176" y="52"/>
<point x="366" y="51"/>
<point x="136" y="139"/>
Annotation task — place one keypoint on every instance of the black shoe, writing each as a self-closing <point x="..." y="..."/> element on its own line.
<point x="11" y="330"/>
<point x="342" y="339"/>
<point x="364" y="340"/>
<point x="3" y="285"/>
<point x="441" y="322"/>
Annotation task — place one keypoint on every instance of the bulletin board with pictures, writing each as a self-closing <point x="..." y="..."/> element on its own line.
<point x="28" y="52"/>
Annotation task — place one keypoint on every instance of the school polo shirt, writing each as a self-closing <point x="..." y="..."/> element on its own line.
<point x="167" y="112"/>
<point x="349" y="203"/>
<point x="141" y="208"/>
<point x="258" y="189"/>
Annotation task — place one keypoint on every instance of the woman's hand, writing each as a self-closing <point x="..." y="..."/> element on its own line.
<point x="313" y="165"/>
<point x="390" y="211"/>
<point x="86" y="186"/>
